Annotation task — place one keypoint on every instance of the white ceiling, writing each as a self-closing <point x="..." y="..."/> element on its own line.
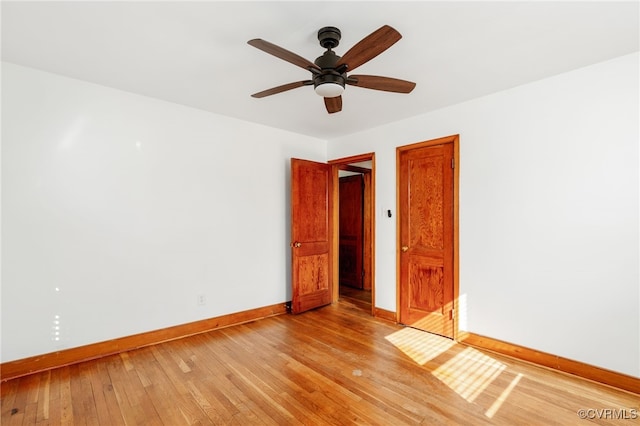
<point x="196" y="53"/>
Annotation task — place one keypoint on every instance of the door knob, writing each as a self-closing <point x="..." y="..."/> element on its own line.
<point x="296" y="244"/>
<point x="405" y="248"/>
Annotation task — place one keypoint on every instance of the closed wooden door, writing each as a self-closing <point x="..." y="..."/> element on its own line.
<point x="426" y="238"/>
<point x="351" y="231"/>
<point x="310" y="234"/>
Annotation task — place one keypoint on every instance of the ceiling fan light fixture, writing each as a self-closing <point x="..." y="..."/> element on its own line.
<point x="329" y="84"/>
<point x="329" y="89"/>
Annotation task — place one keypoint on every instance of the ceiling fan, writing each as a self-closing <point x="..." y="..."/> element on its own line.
<point x="329" y="71"/>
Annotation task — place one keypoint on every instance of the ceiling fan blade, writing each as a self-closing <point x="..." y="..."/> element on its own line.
<point x="333" y="104"/>
<point x="369" y="47"/>
<point x="282" y="53"/>
<point x="282" y="88"/>
<point x="381" y="83"/>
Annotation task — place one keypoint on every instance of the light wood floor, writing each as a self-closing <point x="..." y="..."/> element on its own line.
<point x="335" y="365"/>
<point x="354" y="293"/>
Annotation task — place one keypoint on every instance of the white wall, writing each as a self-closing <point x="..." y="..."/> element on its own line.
<point x="549" y="214"/>
<point x="119" y="210"/>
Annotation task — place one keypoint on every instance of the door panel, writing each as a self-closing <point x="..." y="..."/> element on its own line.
<point x="426" y="238"/>
<point x="310" y="234"/>
<point x="351" y="231"/>
<point x="367" y="233"/>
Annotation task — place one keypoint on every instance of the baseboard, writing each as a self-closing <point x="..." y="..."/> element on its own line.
<point x="577" y="368"/>
<point x="22" y="367"/>
<point x="384" y="314"/>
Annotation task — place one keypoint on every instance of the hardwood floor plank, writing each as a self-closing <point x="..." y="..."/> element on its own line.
<point x="82" y="401"/>
<point x="349" y="371"/>
<point x="66" y="404"/>
<point x="96" y="381"/>
<point x="343" y="375"/>
<point x="21" y="399"/>
<point x="8" y="396"/>
<point x="44" y="399"/>
<point x="160" y="391"/>
<point x="265" y="387"/>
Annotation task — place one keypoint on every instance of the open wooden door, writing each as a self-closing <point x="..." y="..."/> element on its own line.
<point x="426" y="238"/>
<point x="310" y="235"/>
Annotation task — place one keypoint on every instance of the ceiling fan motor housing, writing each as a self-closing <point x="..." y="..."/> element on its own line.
<point x="329" y="77"/>
<point x="329" y="74"/>
<point x="329" y="37"/>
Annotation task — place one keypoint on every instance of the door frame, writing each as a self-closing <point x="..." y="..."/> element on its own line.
<point x="368" y="218"/>
<point x="455" y="140"/>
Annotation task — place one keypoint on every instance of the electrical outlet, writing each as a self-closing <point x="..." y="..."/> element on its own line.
<point x="202" y="300"/>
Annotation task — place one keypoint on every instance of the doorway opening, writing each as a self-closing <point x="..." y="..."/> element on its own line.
<point x="353" y="236"/>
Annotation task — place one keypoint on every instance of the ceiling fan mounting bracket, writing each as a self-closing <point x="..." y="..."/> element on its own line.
<point x="329" y="37"/>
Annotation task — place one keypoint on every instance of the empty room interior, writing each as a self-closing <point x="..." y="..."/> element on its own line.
<point x="320" y="212"/>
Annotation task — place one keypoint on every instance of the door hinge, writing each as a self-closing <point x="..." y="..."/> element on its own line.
<point x="453" y="163"/>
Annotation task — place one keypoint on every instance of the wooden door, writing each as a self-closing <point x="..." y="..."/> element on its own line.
<point x="351" y="231"/>
<point x="426" y="238"/>
<point x="310" y="235"/>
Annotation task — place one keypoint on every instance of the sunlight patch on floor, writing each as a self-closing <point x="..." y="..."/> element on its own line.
<point x="465" y="370"/>
<point x="418" y="345"/>
<point x="503" y="397"/>
<point x="469" y="373"/>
